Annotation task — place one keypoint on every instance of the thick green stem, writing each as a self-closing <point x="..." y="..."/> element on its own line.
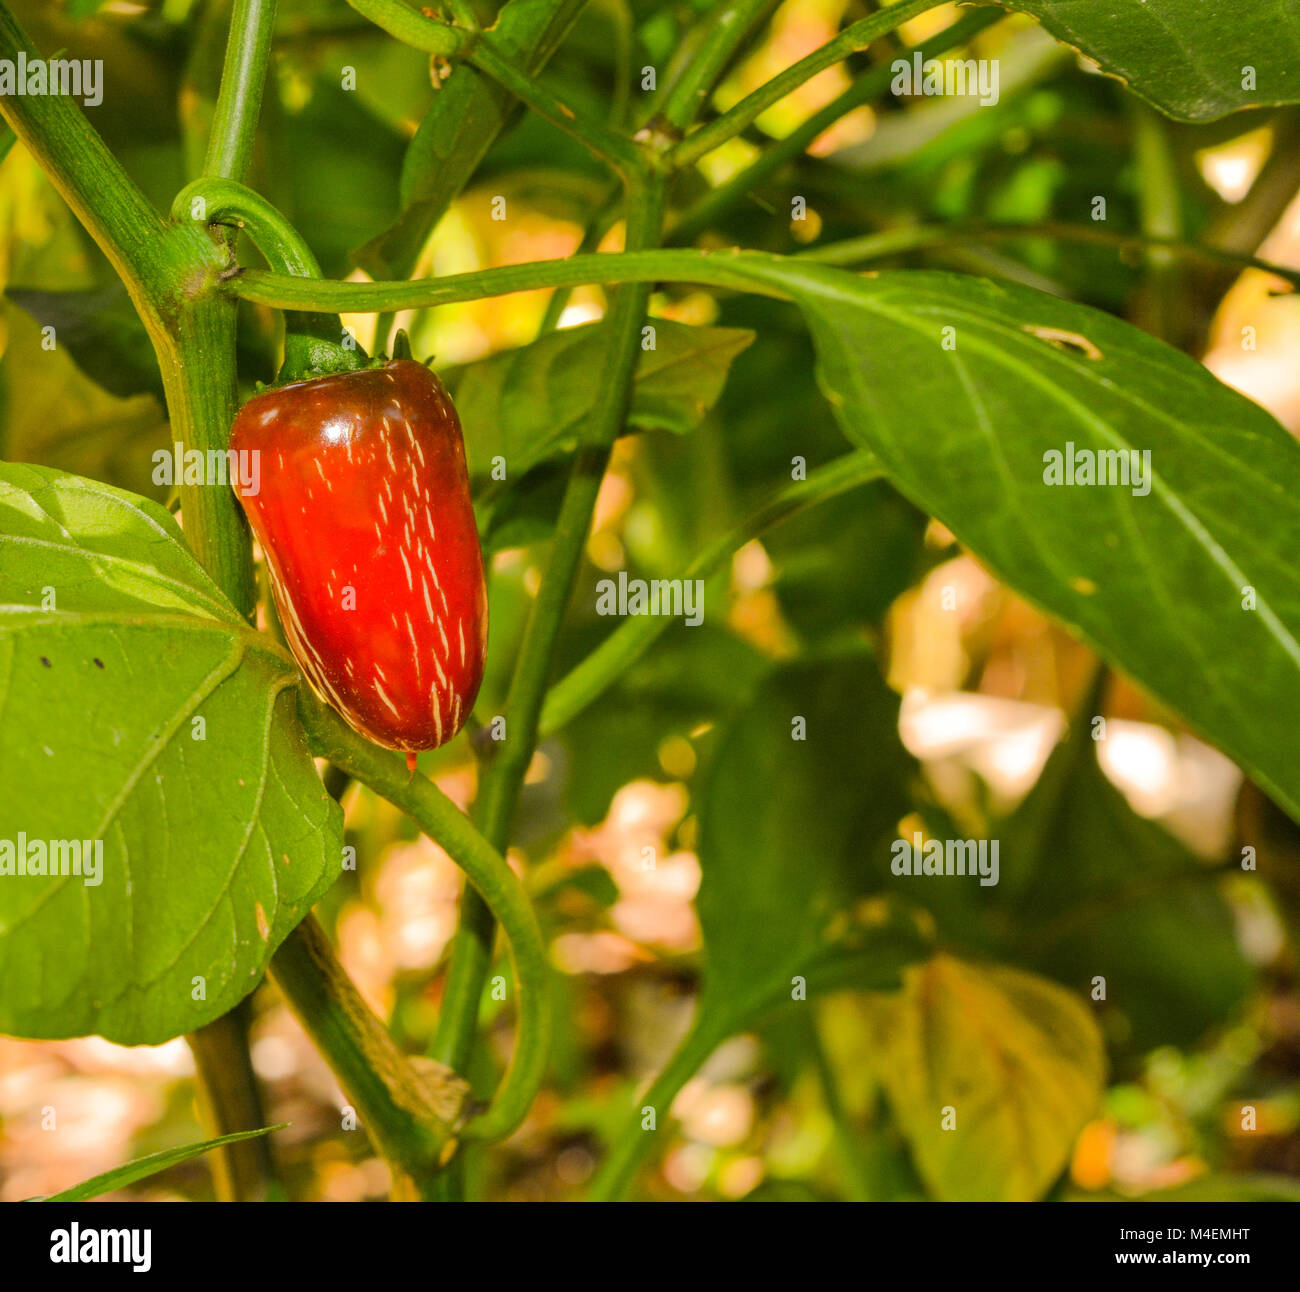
<point x="409" y="1112"/>
<point x="244" y="1171"/>
<point x="856" y="36"/>
<point x="169" y="272"/>
<point x="91" y="180"/>
<point x="587" y="680"/>
<point x="239" y="102"/>
<point x="490" y="875"/>
<point x="197" y="361"/>
<point x="504" y="776"/>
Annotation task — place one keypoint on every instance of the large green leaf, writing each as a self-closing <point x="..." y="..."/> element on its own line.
<point x="1158" y="583"/>
<point x="534" y="403"/>
<point x="788" y="812"/>
<point x="1102" y="892"/>
<point x="217" y="836"/>
<point x="1187" y="57"/>
<point x="990" y="1072"/>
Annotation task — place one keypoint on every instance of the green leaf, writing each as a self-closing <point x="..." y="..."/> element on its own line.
<point x="1103" y="892"/>
<point x="217" y="836"/>
<point x="468" y="112"/>
<point x="335" y="172"/>
<point x="1185" y="56"/>
<point x="534" y="404"/>
<point x="1157" y="583"/>
<point x="143" y="1167"/>
<point x="102" y="332"/>
<point x="1011" y="1063"/>
<point x="821" y="579"/>
<point x="788" y="813"/>
<point x="53" y="413"/>
<point x="692" y="674"/>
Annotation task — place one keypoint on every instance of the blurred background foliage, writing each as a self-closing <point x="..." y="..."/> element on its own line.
<point x="675" y="815"/>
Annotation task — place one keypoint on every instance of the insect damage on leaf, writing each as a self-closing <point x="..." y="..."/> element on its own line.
<point x="1073" y="342"/>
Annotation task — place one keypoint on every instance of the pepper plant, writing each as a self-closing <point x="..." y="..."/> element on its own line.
<point x="850" y="384"/>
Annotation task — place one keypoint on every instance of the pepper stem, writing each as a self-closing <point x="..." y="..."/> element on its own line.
<point x="314" y="344"/>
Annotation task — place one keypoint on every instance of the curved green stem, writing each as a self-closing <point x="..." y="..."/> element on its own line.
<point x="635" y="635"/>
<point x="239" y="101"/>
<point x="491" y="876"/>
<point x="224" y="201"/>
<point x="870" y="85"/>
<point x="504" y="776"/>
<point x="855" y="37"/>
<point x="313" y="343"/>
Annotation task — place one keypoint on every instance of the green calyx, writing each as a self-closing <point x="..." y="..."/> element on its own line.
<point x="316" y="346"/>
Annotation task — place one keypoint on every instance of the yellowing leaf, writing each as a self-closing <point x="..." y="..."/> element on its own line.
<point x="1012" y="1063"/>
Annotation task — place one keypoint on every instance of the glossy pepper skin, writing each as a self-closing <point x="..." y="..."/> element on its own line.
<point x="363" y="512"/>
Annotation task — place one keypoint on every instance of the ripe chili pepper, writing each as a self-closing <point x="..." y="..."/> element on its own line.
<point x="363" y="512"/>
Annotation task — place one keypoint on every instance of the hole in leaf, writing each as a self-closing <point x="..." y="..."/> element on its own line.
<point x="1073" y="342"/>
